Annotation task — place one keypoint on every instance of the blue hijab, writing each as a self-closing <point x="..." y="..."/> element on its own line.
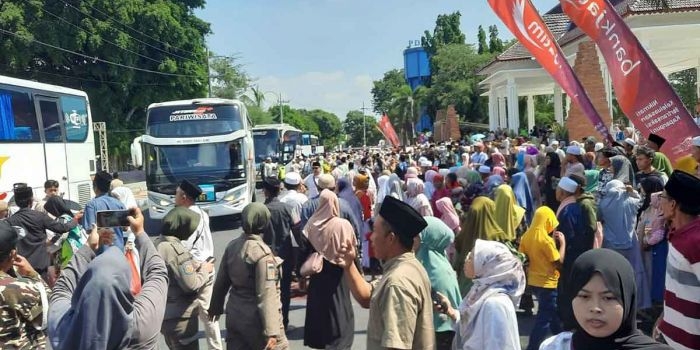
<point x="345" y="192"/>
<point x="523" y="196"/>
<point x="434" y="239"/>
<point x="99" y="314"/>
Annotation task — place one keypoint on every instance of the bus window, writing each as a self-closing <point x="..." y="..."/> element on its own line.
<point x="75" y="117"/>
<point x="18" y="121"/>
<point x="51" y="121"/>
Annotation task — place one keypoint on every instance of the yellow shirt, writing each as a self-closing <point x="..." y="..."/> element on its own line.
<point x="541" y="250"/>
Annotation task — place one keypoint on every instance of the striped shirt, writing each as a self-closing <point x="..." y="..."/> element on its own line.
<point x="681" y="323"/>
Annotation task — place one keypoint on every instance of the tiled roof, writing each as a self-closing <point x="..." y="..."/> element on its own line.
<point x="565" y="31"/>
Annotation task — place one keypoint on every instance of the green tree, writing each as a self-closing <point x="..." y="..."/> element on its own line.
<point x="329" y="126"/>
<point x="383" y="89"/>
<point x="495" y="43"/>
<point x="127" y="53"/>
<point x="228" y="79"/>
<point x="259" y="116"/>
<point x="455" y="81"/>
<point x="403" y="113"/>
<point x="483" y="45"/>
<point x="294" y="118"/>
<point x="685" y="82"/>
<point x="446" y="32"/>
<point x="353" y="126"/>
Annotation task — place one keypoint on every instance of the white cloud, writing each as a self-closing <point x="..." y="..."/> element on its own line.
<point x="333" y="91"/>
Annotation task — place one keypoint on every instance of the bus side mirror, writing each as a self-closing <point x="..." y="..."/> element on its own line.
<point x="137" y="153"/>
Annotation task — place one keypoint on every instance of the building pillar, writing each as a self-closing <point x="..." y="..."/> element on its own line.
<point x="513" y="108"/>
<point x="558" y="106"/>
<point x="493" y="109"/>
<point x="502" y="112"/>
<point x="530" y="112"/>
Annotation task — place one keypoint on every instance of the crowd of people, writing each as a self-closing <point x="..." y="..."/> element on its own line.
<point x="442" y="242"/>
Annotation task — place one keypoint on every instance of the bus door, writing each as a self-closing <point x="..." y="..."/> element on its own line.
<point x="287" y="152"/>
<point x="52" y="134"/>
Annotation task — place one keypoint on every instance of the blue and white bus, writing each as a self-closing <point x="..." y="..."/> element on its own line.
<point x="45" y="134"/>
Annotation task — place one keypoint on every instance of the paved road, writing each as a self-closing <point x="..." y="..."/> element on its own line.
<point x="224" y="233"/>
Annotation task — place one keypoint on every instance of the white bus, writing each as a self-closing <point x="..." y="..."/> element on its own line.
<point x="277" y="141"/>
<point x="206" y="141"/>
<point x="45" y="134"/>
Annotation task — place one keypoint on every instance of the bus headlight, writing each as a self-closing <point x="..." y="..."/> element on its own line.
<point x="237" y="196"/>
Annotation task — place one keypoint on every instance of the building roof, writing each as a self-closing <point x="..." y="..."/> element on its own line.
<point x="565" y="31"/>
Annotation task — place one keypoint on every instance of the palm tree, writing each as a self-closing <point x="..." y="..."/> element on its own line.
<point x="258" y="96"/>
<point x="403" y="112"/>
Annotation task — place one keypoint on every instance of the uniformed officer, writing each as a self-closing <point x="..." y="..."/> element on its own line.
<point x="400" y="306"/>
<point x="186" y="277"/>
<point x="250" y="274"/>
<point x="23" y="297"/>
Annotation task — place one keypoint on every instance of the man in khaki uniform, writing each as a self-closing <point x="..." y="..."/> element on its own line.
<point x="186" y="277"/>
<point x="249" y="273"/>
<point x="400" y="306"/>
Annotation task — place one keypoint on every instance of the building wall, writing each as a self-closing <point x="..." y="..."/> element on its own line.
<point x="588" y="71"/>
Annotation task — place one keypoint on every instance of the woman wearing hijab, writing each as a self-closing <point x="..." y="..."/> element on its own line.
<point x="249" y="274"/>
<point x="617" y="210"/>
<point x="470" y="193"/>
<point x="440" y="192"/>
<point x="486" y="316"/>
<point x="451" y="219"/>
<point x="68" y="243"/>
<point x="622" y="169"/>
<point x="601" y="298"/>
<point x="345" y="191"/>
<point x="92" y="307"/>
<point x="394" y="187"/>
<point x="651" y="231"/>
<point x="186" y="276"/>
<point x="330" y="321"/>
<point x="551" y="176"/>
<point x="478" y="222"/>
<point x="381" y="186"/>
<point x="509" y="215"/>
<point x="416" y="198"/>
<point x="545" y="259"/>
<point x="523" y="195"/>
<point x="492" y="183"/>
<point x="432" y="242"/>
<point x="428" y="187"/>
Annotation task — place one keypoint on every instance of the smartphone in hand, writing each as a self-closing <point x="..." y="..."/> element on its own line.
<point x="112" y="218"/>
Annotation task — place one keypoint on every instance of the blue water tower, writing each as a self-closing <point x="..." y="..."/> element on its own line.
<point x="416" y="66"/>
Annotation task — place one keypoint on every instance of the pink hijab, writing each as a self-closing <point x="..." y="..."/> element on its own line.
<point x="327" y="232"/>
<point x="449" y="214"/>
<point x="497" y="170"/>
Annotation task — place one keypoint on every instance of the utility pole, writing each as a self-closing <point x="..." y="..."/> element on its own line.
<point x="281" y="101"/>
<point x="206" y="51"/>
<point x="364" y="127"/>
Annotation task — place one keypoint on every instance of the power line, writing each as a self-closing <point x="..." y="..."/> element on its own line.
<point x="137" y="31"/>
<point x="129" y="35"/>
<point x="92" y="32"/>
<point x="96" y="59"/>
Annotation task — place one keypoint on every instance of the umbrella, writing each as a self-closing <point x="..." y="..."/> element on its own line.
<point x="478" y="137"/>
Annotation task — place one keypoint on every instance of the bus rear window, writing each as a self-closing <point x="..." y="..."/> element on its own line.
<point x="193" y="120"/>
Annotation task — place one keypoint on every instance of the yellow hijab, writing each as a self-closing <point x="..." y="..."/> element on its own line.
<point x="509" y="214"/>
<point x="544" y="222"/>
<point x="687" y="164"/>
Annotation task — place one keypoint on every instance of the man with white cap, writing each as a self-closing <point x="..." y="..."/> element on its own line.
<point x="574" y="161"/>
<point x="479" y="157"/>
<point x="572" y="223"/>
<point x="485" y="172"/>
<point x="629" y="145"/>
<point x="695" y="152"/>
<point x="292" y="182"/>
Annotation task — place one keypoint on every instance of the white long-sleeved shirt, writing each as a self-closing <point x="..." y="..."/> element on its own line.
<point x="203" y="247"/>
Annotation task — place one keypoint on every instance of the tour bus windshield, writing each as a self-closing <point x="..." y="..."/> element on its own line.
<point x="266" y="144"/>
<point x="193" y="120"/>
<point x="218" y="164"/>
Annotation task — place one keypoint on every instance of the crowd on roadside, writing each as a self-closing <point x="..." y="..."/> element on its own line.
<point x="456" y="237"/>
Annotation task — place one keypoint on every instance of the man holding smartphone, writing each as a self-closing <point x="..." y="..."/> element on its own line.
<point x="201" y="245"/>
<point x="103" y="201"/>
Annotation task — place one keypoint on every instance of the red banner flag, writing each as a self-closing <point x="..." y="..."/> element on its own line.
<point x="523" y="20"/>
<point x="387" y="130"/>
<point x="644" y="94"/>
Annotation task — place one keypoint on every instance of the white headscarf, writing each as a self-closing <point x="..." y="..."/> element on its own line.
<point x="497" y="271"/>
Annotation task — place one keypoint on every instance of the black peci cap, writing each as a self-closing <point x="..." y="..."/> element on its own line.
<point x="405" y="220"/>
<point x="191" y="190"/>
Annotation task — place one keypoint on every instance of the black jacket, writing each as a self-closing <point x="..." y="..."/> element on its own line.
<point x="33" y="245"/>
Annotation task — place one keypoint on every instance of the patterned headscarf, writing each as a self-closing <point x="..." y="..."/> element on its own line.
<point x="497" y="271"/>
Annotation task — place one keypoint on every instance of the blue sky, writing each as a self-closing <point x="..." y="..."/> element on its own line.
<point x="326" y="53"/>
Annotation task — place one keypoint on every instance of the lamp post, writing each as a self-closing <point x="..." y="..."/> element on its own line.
<point x="364" y="127"/>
